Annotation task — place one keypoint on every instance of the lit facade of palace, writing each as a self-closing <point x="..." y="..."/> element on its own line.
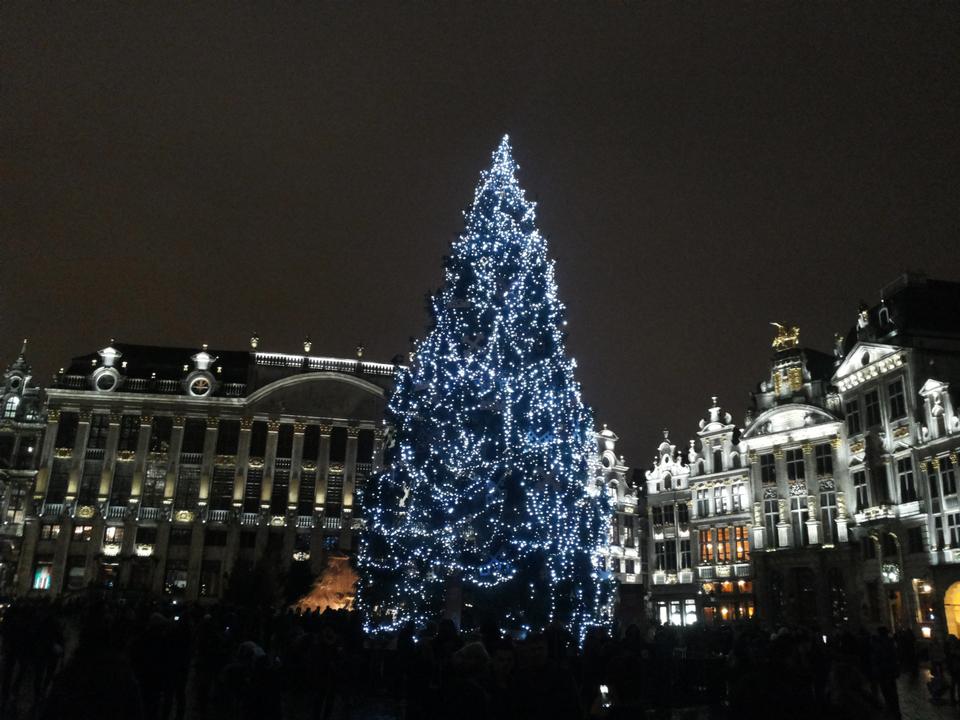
<point x="161" y="468"/>
<point x="836" y="502"/>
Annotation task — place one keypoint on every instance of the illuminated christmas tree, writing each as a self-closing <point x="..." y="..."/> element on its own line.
<point x="488" y="493"/>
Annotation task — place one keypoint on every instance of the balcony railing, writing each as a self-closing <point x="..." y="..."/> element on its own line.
<point x="94" y="454"/>
<point x="149" y="513"/>
<point x="331" y="523"/>
<point x="249" y="518"/>
<point x="191" y="458"/>
<point x="51" y="509"/>
<point x="116" y="512"/>
<point x="218" y="516"/>
<point x="305" y="521"/>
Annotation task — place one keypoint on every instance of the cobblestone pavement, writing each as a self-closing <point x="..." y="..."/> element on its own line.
<point x="915" y="700"/>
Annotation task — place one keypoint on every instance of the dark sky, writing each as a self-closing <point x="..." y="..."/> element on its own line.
<point x="186" y="175"/>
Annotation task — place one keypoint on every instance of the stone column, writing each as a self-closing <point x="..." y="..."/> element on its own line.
<point x="243" y="462"/>
<point x="28" y="549"/>
<point x="109" y="462"/>
<point x="128" y="549"/>
<point x="320" y="499"/>
<point x="206" y="464"/>
<point x="46" y="457"/>
<point x="269" y="462"/>
<point x="296" y="467"/>
<point x="140" y="461"/>
<point x="349" y="489"/>
<point x="77" y="459"/>
<point x="813" y="489"/>
<point x="784" y="529"/>
<point x="173" y="462"/>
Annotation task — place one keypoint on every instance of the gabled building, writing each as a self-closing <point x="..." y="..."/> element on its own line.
<point x="22" y="421"/>
<point x="895" y="371"/>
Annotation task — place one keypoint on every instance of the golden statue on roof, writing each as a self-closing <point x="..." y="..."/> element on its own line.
<point x="785" y="338"/>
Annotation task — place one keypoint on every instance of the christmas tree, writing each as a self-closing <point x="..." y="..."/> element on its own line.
<point x="488" y="493"/>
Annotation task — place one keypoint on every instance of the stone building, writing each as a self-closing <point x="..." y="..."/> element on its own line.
<point x="21" y="429"/>
<point x="163" y="468"/>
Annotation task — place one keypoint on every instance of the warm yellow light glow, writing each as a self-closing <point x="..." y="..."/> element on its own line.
<point x="926" y="631"/>
<point x="334" y="589"/>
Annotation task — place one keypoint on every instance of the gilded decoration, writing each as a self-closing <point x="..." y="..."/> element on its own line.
<point x="246" y="423"/>
<point x="184" y="516"/>
<point x="785" y="338"/>
<point x="62" y="453"/>
<point x="273" y="425"/>
<point x="53" y="415"/>
<point x="126" y="455"/>
<point x="255" y="462"/>
<point x="85" y="512"/>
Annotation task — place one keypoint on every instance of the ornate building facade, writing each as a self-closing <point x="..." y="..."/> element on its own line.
<point x="162" y="468"/>
<point x="836" y="503"/>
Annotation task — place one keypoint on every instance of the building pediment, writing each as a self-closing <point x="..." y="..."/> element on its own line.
<point x="788" y="418"/>
<point x="862" y="356"/>
<point x="323" y="394"/>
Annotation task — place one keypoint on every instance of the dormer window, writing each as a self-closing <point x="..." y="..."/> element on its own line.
<point x="10" y="408"/>
<point x="717" y="460"/>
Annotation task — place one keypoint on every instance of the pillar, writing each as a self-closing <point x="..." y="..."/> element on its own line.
<point x="77" y="458"/>
<point x="160" y="554"/>
<point x="349" y="489"/>
<point x="269" y="463"/>
<point x="109" y="462"/>
<point x="195" y="561"/>
<point x="46" y="457"/>
<point x="206" y="464"/>
<point x="173" y="462"/>
<point x="243" y="462"/>
<point x="140" y="461"/>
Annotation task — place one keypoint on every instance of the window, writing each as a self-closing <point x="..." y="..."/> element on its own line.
<point x="720" y="499"/>
<point x="180" y="536"/>
<point x="723" y="545"/>
<point x="933" y="482"/>
<point x="671" y="555"/>
<point x="869" y="548"/>
<point x="898" y="402"/>
<point x="948" y="474"/>
<point x="221" y="488"/>
<point x="795" y="470"/>
<point x="771" y="515"/>
<point x="160" y="430"/>
<point x="908" y="491"/>
<point x="706" y="547"/>
<point x="915" y="540"/>
<point x="99" y="427"/>
<point x="113" y="534"/>
<point x="122" y="483"/>
<point x="938" y="531"/>
<point x="685" y="563"/>
<point x="129" y="433"/>
<point x="629" y="567"/>
<point x="668" y="514"/>
<point x="738" y="496"/>
<point x="799" y="514"/>
<point x="742" y="543"/>
<point x="154" y="481"/>
<point x="83" y="533"/>
<point x="285" y="441"/>
<point x="251" y="491"/>
<point x="90" y="482"/>
<point x="16" y="504"/>
<point x="872" y="404"/>
<point x="703" y="503"/>
<point x="10" y="408"/>
<point x="683" y="513"/>
<point x="194" y="435"/>
<point x="656" y="515"/>
<point x="852" y="408"/>
<point x="860" y="489"/>
<point x="280" y="492"/>
<point x="717" y="460"/>
<point x="660" y="552"/>
<point x="188" y="488"/>
<point x="953" y="527"/>
<point x="828" y="516"/>
<point x="42" y="576"/>
<point x="768" y="468"/>
<point x="49" y="532"/>
<point x="823" y="454"/>
<point x="228" y="437"/>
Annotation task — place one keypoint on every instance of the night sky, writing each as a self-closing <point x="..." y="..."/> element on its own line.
<point x="188" y="175"/>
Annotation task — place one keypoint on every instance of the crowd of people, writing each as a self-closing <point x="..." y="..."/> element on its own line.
<point x="146" y="660"/>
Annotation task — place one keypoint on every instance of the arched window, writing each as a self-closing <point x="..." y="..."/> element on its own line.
<point x="717" y="460"/>
<point x="735" y="461"/>
<point x="667" y="482"/>
<point x="10" y="408"/>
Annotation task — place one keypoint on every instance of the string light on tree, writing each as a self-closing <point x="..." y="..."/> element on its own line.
<point x="488" y="487"/>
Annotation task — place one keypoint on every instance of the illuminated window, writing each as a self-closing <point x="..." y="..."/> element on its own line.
<point x="898" y="402"/>
<point x="872" y="405"/>
<point x="689" y="611"/>
<point x="908" y="490"/>
<point x="852" y="408"/>
<point x="42" y="576"/>
<point x="828" y="516"/>
<point x="720" y="499"/>
<point x="83" y="533"/>
<point x="706" y="547"/>
<point x="795" y="469"/>
<point x="948" y="474"/>
<point x="49" y="532"/>
<point x="703" y="503"/>
<point x="823" y="454"/>
<point x="768" y="468"/>
<point x="799" y="514"/>
<point x="723" y="545"/>
<point x="113" y="534"/>
<point x="742" y="543"/>
<point x="10" y="410"/>
<point x="860" y="489"/>
<point x="738" y="496"/>
<point x="771" y="515"/>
